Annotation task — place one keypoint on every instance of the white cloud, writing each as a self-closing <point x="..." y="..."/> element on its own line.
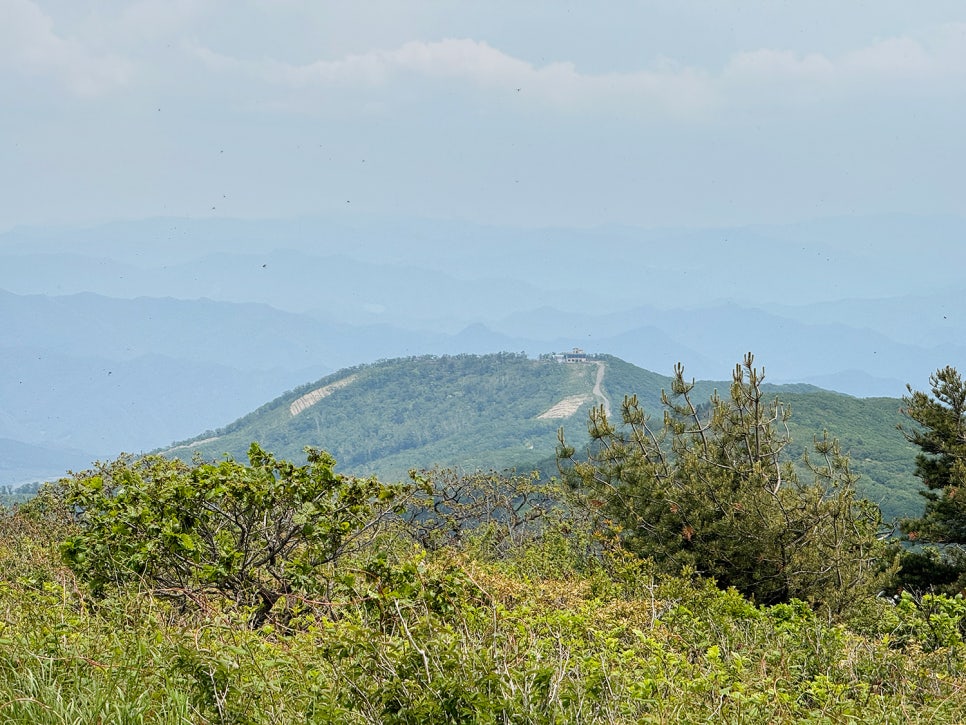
<point x="766" y="75"/>
<point x="29" y="45"/>
<point x="153" y="19"/>
<point x="478" y="65"/>
<point x="904" y="65"/>
<point x="460" y="59"/>
<point x="465" y="59"/>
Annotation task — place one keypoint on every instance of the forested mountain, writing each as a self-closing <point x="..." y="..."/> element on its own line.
<point x="504" y="410"/>
<point x="385" y="418"/>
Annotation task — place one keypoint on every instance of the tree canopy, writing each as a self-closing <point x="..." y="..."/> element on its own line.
<point x="935" y="558"/>
<point x="939" y="431"/>
<point x="710" y="487"/>
<point x="249" y="534"/>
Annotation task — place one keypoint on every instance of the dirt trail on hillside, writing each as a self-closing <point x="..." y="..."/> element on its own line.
<point x="568" y="406"/>
<point x="598" y="392"/>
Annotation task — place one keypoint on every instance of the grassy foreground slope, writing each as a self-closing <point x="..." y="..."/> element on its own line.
<point x="484" y="412"/>
<point x="542" y="633"/>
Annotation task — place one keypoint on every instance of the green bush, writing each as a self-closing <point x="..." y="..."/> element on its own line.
<point x="710" y="487"/>
<point x="246" y="535"/>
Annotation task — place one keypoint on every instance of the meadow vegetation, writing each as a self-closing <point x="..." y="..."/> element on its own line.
<point x="677" y="571"/>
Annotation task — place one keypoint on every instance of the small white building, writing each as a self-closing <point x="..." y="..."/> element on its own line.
<point x="576" y="356"/>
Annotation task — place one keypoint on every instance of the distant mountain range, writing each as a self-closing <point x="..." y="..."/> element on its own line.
<point x="99" y="375"/>
<point x="127" y="336"/>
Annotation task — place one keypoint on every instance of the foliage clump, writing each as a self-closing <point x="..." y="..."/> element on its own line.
<point x="938" y="429"/>
<point x="443" y="636"/>
<point x="709" y="487"/>
<point x="246" y="534"/>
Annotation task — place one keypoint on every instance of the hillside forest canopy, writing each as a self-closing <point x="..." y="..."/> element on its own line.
<point x="496" y="412"/>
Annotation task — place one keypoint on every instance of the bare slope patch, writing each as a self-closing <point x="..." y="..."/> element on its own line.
<point x="194" y="444"/>
<point x="565" y="408"/>
<point x="314" y="396"/>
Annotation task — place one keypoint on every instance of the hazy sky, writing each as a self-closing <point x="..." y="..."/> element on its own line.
<point x="689" y="112"/>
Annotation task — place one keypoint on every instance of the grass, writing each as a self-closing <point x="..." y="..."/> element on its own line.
<point x="544" y="634"/>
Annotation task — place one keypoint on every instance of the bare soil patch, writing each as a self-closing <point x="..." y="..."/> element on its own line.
<point x="314" y="396"/>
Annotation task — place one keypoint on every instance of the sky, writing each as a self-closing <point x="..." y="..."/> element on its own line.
<point x="538" y="113"/>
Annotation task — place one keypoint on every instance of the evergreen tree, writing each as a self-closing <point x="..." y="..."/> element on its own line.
<point x="711" y="488"/>
<point x="940" y="435"/>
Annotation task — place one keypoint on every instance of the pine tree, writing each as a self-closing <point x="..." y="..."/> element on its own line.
<point x="940" y="435"/>
<point x="711" y="488"/>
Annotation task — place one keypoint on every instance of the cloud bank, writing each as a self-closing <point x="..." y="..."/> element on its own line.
<point x="108" y="62"/>
<point x="894" y="66"/>
<point x="30" y="47"/>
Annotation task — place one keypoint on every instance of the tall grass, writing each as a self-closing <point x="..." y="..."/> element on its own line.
<point x="542" y="635"/>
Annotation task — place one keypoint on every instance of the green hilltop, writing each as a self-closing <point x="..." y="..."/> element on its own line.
<point x="500" y="411"/>
<point x="391" y="416"/>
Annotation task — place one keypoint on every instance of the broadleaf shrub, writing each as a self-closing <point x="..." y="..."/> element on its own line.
<point x="247" y="535"/>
